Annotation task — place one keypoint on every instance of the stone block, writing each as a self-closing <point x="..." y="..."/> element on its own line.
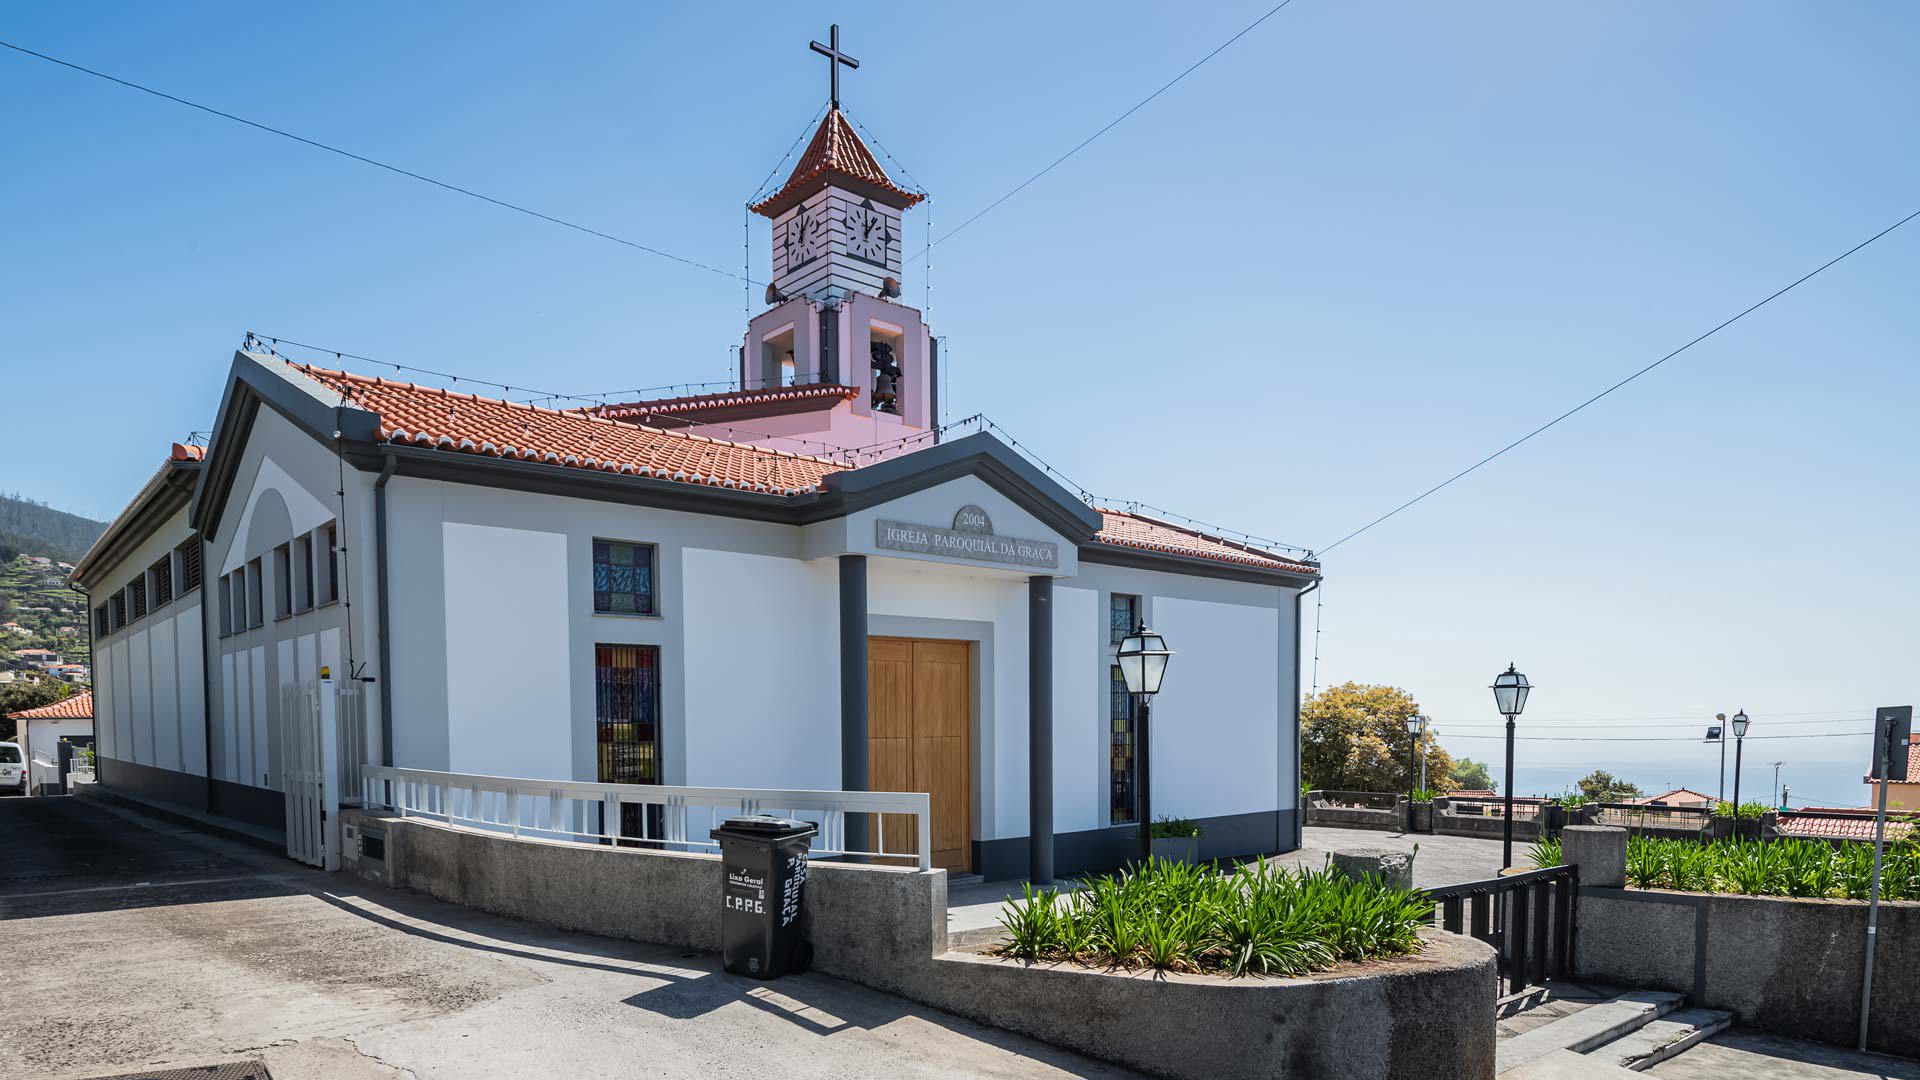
<point x="1394" y="867"/>
<point x="1599" y="851"/>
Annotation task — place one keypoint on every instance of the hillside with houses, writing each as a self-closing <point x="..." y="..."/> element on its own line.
<point x="43" y="623"/>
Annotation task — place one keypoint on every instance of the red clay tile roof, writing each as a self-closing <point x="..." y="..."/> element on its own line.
<point x="1134" y="531"/>
<point x="77" y="707"/>
<point x="1695" y="796"/>
<point x="1838" y="823"/>
<point x="828" y="395"/>
<point x="187" y="452"/>
<point x="423" y="416"/>
<point x="835" y="150"/>
<point x="412" y="415"/>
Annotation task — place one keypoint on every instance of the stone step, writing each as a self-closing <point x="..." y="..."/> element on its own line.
<point x="1594" y="1026"/>
<point x="1663" y="1038"/>
<point x="1566" y="1065"/>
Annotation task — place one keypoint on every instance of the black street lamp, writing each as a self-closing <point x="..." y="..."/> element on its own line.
<point x="1142" y="656"/>
<point x="1415" y="725"/>
<point x="1510" y="690"/>
<point x="1740" y="723"/>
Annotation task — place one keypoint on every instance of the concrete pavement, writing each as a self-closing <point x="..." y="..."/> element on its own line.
<point x="155" y="945"/>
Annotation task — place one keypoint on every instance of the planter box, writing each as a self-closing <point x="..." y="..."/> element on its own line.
<point x="1182" y="849"/>
<point x="1422" y="821"/>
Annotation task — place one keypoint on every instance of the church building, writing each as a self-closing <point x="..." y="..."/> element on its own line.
<point x="800" y="583"/>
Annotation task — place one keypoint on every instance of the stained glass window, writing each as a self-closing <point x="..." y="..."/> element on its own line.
<point x="1123" y="616"/>
<point x="1121" y="767"/>
<point x="627" y="713"/>
<point x="623" y="577"/>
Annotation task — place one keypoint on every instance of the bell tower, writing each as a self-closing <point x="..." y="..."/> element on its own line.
<point x="834" y="314"/>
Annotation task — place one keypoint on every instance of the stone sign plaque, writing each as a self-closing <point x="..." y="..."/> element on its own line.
<point x="971" y="537"/>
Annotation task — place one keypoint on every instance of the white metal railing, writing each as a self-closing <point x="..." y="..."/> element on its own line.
<point x="581" y="812"/>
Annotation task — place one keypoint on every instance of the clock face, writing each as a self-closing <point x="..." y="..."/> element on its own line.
<point x="806" y="239"/>
<point x="868" y="234"/>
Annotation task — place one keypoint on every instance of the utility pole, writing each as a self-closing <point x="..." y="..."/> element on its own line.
<point x="1776" y="784"/>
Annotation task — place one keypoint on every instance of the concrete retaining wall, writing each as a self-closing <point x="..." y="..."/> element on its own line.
<point x="1788" y="966"/>
<point x="1425" y="1016"/>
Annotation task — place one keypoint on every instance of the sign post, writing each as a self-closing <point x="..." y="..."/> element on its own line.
<point x="1892" y="730"/>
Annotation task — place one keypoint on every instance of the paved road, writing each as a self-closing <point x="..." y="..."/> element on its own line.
<point x="133" y="943"/>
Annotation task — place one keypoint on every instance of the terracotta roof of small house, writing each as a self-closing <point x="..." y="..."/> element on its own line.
<point x="1149" y="534"/>
<point x="77" y="707"/>
<point x="412" y="415"/>
<point x="1687" y="793"/>
<point x="186" y="452"/>
<point x="1913" y="764"/>
<point x="1837" y="823"/>
<point x="836" y="151"/>
<point x="818" y="395"/>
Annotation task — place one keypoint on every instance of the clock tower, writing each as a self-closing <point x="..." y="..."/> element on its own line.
<point x="834" y="315"/>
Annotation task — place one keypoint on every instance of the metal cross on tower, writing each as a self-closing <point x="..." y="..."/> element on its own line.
<point x="834" y="59"/>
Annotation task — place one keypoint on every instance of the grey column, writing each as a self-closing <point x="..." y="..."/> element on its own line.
<point x="853" y="691"/>
<point x="1040" y="729"/>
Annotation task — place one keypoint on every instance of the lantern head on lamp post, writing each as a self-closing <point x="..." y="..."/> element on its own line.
<point x="1142" y="657"/>
<point x="1740" y="722"/>
<point x="1416" y="724"/>
<point x="1510" y="689"/>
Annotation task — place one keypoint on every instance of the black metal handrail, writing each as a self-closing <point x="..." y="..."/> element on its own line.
<point x="1527" y="918"/>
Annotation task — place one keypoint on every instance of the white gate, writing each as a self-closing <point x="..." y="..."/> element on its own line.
<point x="310" y="770"/>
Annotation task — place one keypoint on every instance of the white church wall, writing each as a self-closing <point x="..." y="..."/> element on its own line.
<point x="147" y="678"/>
<point x="1216" y="721"/>
<point x="286" y="485"/>
<point x="1080" y="737"/>
<point x="425" y="655"/>
<point x="507" y="686"/>
<point x="1232" y="684"/>
<point x="762" y="671"/>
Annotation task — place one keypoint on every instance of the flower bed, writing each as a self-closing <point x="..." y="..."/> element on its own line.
<point x="1782" y="867"/>
<point x="1254" y="920"/>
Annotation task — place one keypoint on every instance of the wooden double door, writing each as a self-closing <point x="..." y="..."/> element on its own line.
<point x="919" y="728"/>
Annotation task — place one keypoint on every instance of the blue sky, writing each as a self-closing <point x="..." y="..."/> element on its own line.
<point x="1360" y="249"/>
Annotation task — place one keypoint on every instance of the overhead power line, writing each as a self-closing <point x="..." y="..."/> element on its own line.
<point x="397" y="170"/>
<point x="1110" y="125"/>
<point x="1810" y="275"/>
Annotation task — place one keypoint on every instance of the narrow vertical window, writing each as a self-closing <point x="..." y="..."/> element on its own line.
<point x="137" y="597"/>
<point x="282" y="581"/>
<point x="623" y="578"/>
<point x="256" y="601"/>
<point x="1123" y="616"/>
<point x="226" y="606"/>
<point x="163" y="581"/>
<point x="302" y="572"/>
<point x="189" y="566"/>
<point x="1122" y="800"/>
<point x="331" y="586"/>
<point x="120" y="609"/>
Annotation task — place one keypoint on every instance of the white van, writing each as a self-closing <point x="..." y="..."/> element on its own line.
<point x="13" y="768"/>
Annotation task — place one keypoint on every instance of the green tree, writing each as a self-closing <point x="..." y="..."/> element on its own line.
<point x="1602" y="786"/>
<point x="27" y="694"/>
<point x="1471" y="775"/>
<point x="1353" y="737"/>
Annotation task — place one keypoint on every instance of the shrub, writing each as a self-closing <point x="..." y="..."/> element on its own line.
<point x="1424" y="795"/>
<point x="1747" y="811"/>
<point x="1545" y="853"/>
<point x="1783" y="867"/>
<point x="1171" y="828"/>
<point x="1252" y="920"/>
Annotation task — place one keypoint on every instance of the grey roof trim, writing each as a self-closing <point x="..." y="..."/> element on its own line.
<point x="170" y="488"/>
<point x="256" y="379"/>
<point x="979" y="455"/>
<point x="542" y="478"/>
<point x="1094" y="551"/>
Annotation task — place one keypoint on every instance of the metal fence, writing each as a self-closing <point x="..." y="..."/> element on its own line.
<point x="589" y="813"/>
<point x="1526" y="917"/>
<point x="1495" y="806"/>
<point x="1642" y="816"/>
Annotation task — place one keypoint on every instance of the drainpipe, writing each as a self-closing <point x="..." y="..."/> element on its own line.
<point x="1299" y="811"/>
<point x="380" y="587"/>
